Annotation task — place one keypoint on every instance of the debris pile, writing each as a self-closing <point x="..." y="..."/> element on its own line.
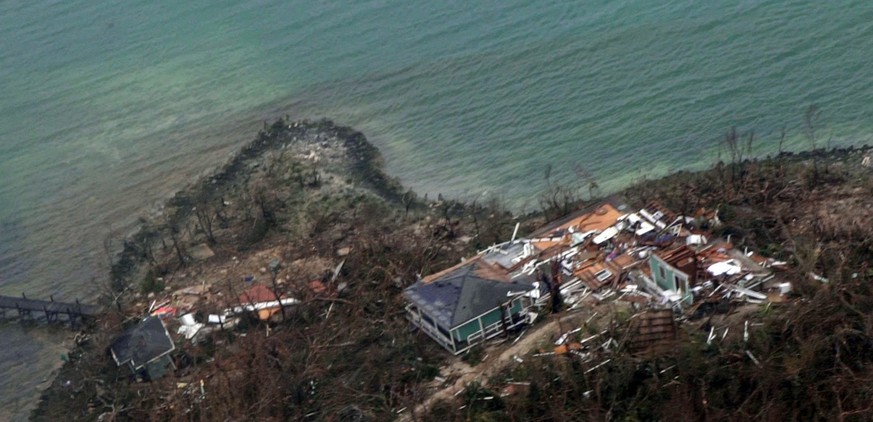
<point x="650" y="258"/>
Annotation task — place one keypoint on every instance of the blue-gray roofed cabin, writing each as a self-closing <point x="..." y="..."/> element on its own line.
<point x="468" y="303"/>
<point x="145" y="349"/>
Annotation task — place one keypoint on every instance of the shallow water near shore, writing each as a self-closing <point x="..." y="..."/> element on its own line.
<point x="109" y="107"/>
<point x="32" y="354"/>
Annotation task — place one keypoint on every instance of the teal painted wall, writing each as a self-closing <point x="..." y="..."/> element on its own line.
<point x="516" y="307"/>
<point x="467" y="329"/>
<point x="668" y="281"/>
<point x="491" y="317"/>
<point x="462" y="332"/>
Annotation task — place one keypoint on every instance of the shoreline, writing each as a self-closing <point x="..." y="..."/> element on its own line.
<point x="366" y="167"/>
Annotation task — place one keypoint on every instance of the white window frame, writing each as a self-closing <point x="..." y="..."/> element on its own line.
<point x="603" y="275"/>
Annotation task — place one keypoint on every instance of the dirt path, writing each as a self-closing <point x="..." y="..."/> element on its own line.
<point x="492" y="365"/>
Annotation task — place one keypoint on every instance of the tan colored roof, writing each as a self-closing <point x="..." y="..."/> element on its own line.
<point x="483" y="270"/>
<point x="543" y="245"/>
<point x="677" y="257"/>
<point x="624" y="261"/>
<point x="431" y="278"/>
<point x="257" y="293"/>
<point x="588" y="274"/>
<point x="604" y="217"/>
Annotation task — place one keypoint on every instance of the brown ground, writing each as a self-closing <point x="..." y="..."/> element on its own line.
<point x="499" y="357"/>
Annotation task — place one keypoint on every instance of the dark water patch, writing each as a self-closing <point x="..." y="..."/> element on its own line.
<point x="27" y="360"/>
<point x="14" y="263"/>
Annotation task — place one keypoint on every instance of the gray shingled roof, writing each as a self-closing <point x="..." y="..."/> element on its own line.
<point x="463" y="294"/>
<point x="143" y="343"/>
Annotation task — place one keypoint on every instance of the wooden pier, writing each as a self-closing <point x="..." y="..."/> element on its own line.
<point x="46" y="310"/>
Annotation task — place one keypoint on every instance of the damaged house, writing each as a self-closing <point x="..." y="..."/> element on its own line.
<point x="675" y="270"/>
<point x="145" y="349"/>
<point x="649" y="257"/>
<point x="468" y="303"/>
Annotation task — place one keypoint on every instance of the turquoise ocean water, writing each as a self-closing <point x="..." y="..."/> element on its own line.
<point x="106" y="108"/>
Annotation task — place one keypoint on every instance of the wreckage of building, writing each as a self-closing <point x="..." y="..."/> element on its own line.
<point x="651" y="257"/>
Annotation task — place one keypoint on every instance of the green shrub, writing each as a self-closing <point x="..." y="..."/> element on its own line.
<point x="151" y="284"/>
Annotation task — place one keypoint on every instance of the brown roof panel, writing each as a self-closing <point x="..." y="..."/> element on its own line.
<point x="257" y="293"/>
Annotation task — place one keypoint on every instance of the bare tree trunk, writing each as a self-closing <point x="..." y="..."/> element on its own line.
<point x="273" y="275"/>
<point x="177" y="244"/>
<point x="205" y="218"/>
<point x="809" y="123"/>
